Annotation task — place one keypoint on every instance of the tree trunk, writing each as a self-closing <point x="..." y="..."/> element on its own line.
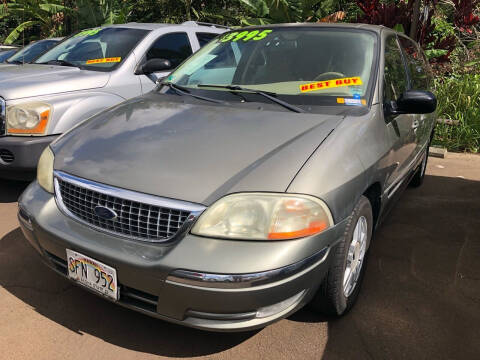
<point x="416" y="16"/>
<point x="188" y="6"/>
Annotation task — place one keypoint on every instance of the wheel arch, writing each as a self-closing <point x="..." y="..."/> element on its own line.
<point x="74" y="110"/>
<point x="374" y="194"/>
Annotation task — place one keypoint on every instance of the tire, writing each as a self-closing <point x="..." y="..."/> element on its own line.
<point x="332" y="298"/>
<point x="417" y="179"/>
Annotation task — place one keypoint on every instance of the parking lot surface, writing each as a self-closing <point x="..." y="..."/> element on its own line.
<point x="420" y="297"/>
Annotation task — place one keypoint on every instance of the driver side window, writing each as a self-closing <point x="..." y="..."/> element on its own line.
<point x="395" y="77"/>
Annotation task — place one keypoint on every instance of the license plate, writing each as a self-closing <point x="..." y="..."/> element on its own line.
<point x="92" y="274"/>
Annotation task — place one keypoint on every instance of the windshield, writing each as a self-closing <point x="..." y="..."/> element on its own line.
<point x="4" y="55"/>
<point x="101" y="49"/>
<point x="32" y="51"/>
<point x="297" y="62"/>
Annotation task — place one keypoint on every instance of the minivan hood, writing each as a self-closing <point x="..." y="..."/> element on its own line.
<point x="31" y="80"/>
<point x="192" y="152"/>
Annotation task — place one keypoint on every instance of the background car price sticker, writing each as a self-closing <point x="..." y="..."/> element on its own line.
<point x="92" y="274"/>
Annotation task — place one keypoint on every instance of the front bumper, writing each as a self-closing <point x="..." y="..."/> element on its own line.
<point x="19" y="155"/>
<point x="149" y="279"/>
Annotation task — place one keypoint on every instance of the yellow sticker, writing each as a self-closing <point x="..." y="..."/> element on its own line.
<point x="328" y="84"/>
<point x="104" y="60"/>
<point x="246" y="35"/>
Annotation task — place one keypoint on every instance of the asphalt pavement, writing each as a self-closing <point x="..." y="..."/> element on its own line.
<point x="420" y="297"/>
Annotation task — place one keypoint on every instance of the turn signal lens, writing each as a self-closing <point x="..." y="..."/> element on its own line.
<point x="313" y="228"/>
<point x="264" y="216"/>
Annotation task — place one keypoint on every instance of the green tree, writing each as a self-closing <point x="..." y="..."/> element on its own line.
<point x="226" y="12"/>
<point x="48" y="15"/>
<point x="287" y="11"/>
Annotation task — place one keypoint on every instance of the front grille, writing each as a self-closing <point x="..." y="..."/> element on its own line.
<point x="6" y="156"/>
<point x="137" y="220"/>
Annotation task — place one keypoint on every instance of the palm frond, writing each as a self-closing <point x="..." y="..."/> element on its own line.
<point x="18" y="30"/>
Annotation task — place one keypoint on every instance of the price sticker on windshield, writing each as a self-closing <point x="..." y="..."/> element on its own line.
<point x="253" y="35"/>
<point x="104" y="60"/>
<point x="328" y="84"/>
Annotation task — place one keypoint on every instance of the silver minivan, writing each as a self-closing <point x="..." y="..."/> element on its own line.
<point x="248" y="185"/>
<point x="85" y="74"/>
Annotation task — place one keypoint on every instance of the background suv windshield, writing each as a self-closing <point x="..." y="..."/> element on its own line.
<point x="288" y="61"/>
<point x="32" y="51"/>
<point x="100" y="49"/>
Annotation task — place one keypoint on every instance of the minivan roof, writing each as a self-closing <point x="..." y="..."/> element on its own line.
<point x="375" y="28"/>
<point x="154" y="26"/>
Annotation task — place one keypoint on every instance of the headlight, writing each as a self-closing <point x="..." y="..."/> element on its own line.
<point x="45" y="170"/>
<point x="29" y="118"/>
<point x="264" y="216"/>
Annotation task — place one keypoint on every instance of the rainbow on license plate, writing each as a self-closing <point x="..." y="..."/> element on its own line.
<point x="92" y="274"/>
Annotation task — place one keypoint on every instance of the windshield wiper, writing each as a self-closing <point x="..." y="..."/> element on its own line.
<point x="267" y="94"/>
<point x="180" y="90"/>
<point x="61" y="63"/>
<point x="16" y="62"/>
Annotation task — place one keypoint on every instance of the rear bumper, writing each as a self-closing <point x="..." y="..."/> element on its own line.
<point x="19" y="155"/>
<point x="149" y="277"/>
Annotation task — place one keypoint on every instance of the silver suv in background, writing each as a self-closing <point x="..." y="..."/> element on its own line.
<point x="91" y="71"/>
<point x="6" y="51"/>
<point x="31" y="52"/>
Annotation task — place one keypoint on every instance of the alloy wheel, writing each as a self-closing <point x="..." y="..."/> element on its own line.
<point x="355" y="256"/>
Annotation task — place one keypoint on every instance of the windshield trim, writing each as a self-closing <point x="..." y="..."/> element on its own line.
<point x="93" y="68"/>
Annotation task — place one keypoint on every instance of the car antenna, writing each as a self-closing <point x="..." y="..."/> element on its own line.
<point x="23" y="36"/>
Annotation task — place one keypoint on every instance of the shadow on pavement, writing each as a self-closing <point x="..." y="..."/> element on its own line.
<point x="11" y="190"/>
<point x="420" y="296"/>
<point x="421" y="293"/>
<point x="24" y="276"/>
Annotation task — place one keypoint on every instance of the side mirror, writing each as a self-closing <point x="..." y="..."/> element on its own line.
<point x="152" y="66"/>
<point x="413" y="102"/>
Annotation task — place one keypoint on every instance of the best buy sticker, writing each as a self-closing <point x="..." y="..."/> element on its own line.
<point x="104" y="60"/>
<point x="328" y="84"/>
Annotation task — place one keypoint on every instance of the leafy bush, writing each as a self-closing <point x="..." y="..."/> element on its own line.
<point x="459" y="99"/>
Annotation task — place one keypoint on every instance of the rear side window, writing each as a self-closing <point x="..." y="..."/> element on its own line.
<point x="416" y="64"/>
<point x="204" y="38"/>
<point x="395" y="77"/>
<point x="174" y="47"/>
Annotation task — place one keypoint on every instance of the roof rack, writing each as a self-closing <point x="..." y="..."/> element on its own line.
<point x="200" y="23"/>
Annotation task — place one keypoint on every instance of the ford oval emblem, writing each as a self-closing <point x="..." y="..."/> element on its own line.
<point x="105" y="213"/>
